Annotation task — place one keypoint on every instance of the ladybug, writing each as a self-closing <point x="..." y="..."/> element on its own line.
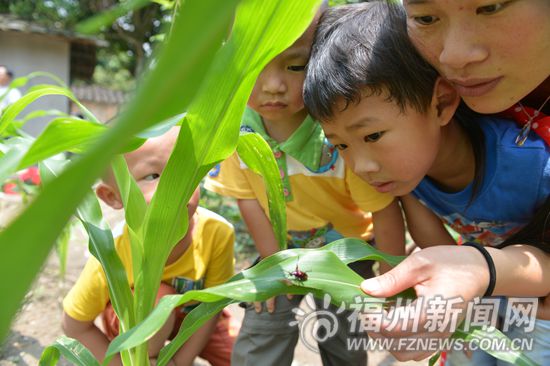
<point x="298" y="274"/>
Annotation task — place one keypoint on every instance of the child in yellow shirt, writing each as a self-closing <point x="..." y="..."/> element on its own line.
<point x="203" y="258"/>
<point x="325" y="201"/>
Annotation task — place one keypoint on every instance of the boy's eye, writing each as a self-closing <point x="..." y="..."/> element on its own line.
<point x="151" y="177"/>
<point x="373" y="137"/>
<point x="296" y="68"/>
<point x="490" y="9"/>
<point x="426" y="19"/>
<point x="341" y="146"/>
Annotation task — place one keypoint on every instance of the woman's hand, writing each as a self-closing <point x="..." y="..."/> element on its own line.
<point x="448" y="272"/>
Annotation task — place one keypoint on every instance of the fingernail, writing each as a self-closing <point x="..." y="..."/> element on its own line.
<point x="370" y="286"/>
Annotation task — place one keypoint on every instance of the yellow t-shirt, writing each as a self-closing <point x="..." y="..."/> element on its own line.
<point x="336" y="197"/>
<point x="207" y="262"/>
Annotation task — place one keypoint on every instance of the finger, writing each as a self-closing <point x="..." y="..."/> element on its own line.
<point x="270" y="305"/>
<point x="403" y="276"/>
<point x="258" y="306"/>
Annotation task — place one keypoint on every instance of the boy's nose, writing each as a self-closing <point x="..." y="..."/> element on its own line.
<point x="272" y="83"/>
<point x="363" y="165"/>
<point x="462" y="46"/>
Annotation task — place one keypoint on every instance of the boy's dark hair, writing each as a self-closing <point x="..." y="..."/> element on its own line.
<point x="363" y="49"/>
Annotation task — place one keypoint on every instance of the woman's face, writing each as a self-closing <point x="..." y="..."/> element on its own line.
<point x="494" y="52"/>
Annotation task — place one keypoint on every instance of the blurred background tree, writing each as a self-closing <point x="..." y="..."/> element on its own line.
<point x="130" y="37"/>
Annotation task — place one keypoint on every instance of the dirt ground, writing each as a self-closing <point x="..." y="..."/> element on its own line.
<point x="37" y="324"/>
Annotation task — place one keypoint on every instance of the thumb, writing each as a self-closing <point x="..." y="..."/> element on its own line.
<point x="391" y="283"/>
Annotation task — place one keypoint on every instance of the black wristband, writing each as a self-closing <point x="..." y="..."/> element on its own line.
<point x="490" y="263"/>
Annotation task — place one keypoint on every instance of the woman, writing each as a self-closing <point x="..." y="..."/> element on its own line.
<point x="497" y="57"/>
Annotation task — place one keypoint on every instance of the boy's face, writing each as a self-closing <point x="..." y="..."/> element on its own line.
<point x="4" y="77"/>
<point x="277" y="94"/>
<point x="148" y="161"/>
<point x="495" y="52"/>
<point x="146" y="165"/>
<point x="390" y="150"/>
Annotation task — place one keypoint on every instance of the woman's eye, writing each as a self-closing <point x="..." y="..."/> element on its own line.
<point x="341" y="146"/>
<point x="426" y="19"/>
<point x="151" y="177"/>
<point x="490" y="9"/>
<point x="296" y="68"/>
<point x="373" y="137"/>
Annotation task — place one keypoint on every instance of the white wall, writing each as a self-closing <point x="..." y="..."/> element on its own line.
<point x="24" y="53"/>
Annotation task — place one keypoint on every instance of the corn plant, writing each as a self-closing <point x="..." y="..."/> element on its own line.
<point x="209" y="74"/>
<point x="209" y="134"/>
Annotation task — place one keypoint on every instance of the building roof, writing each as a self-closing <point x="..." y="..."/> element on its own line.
<point x="97" y="94"/>
<point x="9" y="23"/>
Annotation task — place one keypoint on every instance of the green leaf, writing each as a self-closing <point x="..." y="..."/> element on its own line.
<point x="174" y="88"/>
<point x="62" y="134"/>
<point x="39" y="114"/>
<point x="101" y="246"/>
<point x="132" y="198"/>
<point x="476" y="334"/>
<point x="134" y="211"/>
<point x="210" y="130"/>
<point x="433" y="360"/>
<point x="193" y="321"/>
<point x="23" y="80"/>
<point x="62" y="248"/>
<point x="34" y="93"/>
<point x="271" y="277"/>
<point x="352" y="250"/>
<point x="162" y="127"/>
<point x="14" y="149"/>
<point x="71" y="349"/>
<point x="257" y="155"/>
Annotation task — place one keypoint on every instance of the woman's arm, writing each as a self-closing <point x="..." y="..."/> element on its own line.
<point x="451" y="272"/>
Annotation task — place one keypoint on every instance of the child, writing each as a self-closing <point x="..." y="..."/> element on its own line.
<point x="494" y="53"/>
<point x="324" y="202"/>
<point x="394" y="121"/>
<point x="203" y="258"/>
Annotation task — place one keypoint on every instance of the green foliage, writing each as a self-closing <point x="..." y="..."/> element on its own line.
<point x="73" y="183"/>
<point x="257" y="155"/>
<point x="71" y="350"/>
<point x="114" y="69"/>
<point x="209" y="74"/>
<point x="209" y="134"/>
<point x="327" y="273"/>
<point x="51" y="13"/>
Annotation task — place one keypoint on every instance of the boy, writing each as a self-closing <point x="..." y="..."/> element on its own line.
<point x="400" y="127"/>
<point x="324" y="202"/>
<point x="203" y="258"/>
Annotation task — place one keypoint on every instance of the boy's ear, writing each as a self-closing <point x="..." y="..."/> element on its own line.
<point x="445" y="99"/>
<point x="109" y="195"/>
